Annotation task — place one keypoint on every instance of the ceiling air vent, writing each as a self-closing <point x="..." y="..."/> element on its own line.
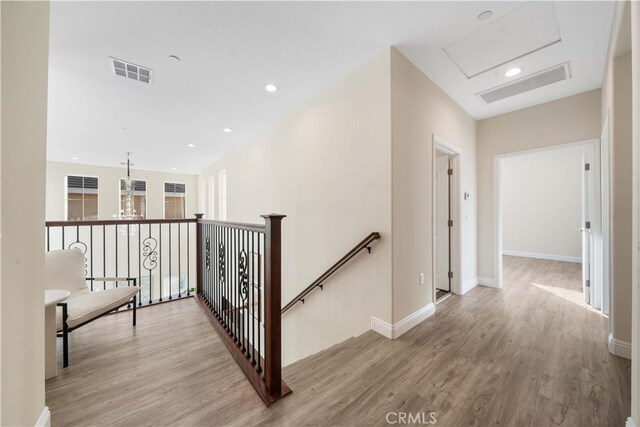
<point x="132" y="71"/>
<point x="525" y="84"/>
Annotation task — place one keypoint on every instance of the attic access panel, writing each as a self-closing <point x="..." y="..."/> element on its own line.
<point x="531" y="27"/>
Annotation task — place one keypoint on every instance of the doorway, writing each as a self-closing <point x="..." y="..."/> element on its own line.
<point x="549" y="210"/>
<point x="443" y="224"/>
<point x="446" y="204"/>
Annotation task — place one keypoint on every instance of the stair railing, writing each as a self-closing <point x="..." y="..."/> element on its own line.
<point x="319" y="282"/>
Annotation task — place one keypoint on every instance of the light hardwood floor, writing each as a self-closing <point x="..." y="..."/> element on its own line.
<point x="528" y="354"/>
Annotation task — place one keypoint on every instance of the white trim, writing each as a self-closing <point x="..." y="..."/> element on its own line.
<point x="468" y="285"/>
<point x="382" y="327"/>
<point x="395" y="330"/>
<point x="439" y="143"/>
<point x="619" y="348"/>
<point x="487" y="281"/>
<point x="629" y="423"/>
<point x="45" y="418"/>
<point x="564" y="258"/>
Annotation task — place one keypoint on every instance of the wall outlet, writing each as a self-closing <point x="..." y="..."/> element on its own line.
<point x="421" y="278"/>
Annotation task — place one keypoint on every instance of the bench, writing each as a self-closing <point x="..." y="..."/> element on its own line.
<point x="65" y="269"/>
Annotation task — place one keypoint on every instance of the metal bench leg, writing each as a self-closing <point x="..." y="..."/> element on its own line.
<point x="65" y="336"/>
<point x="134" y="310"/>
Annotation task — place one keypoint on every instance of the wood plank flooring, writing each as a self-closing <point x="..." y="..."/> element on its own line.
<point x="530" y="354"/>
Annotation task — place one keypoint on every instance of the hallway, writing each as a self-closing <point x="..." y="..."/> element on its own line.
<point x="528" y="354"/>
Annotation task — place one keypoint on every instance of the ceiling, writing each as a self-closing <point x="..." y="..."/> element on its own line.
<point x="229" y="50"/>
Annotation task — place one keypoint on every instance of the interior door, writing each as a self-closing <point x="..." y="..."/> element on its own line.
<point x="442" y="237"/>
<point x="585" y="228"/>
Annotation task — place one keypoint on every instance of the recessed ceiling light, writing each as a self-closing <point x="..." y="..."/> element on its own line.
<point x="74" y="158"/>
<point x="485" y="15"/>
<point x="174" y="58"/>
<point x="173" y="169"/>
<point x="271" y="88"/>
<point x="227" y="130"/>
<point x="513" y="72"/>
<point x="191" y="145"/>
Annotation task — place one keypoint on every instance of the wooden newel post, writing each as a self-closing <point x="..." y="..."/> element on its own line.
<point x="199" y="253"/>
<point x="272" y="303"/>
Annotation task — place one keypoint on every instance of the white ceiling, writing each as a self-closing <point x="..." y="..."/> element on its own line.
<point x="229" y="51"/>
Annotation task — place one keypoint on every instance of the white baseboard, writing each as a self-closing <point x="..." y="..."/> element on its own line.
<point x="619" y="348"/>
<point x="395" y="330"/>
<point x="551" y="257"/>
<point x="629" y="423"/>
<point x="486" y="281"/>
<point x="468" y="285"/>
<point x="45" y="418"/>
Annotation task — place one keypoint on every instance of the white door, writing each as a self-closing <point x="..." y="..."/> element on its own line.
<point x="585" y="228"/>
<point x="442" y="223"/>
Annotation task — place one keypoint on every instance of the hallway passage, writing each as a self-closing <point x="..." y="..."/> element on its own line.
<point x="528" y="354"/>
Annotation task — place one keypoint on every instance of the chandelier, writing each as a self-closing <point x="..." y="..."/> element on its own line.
<point x="128" y="211"/>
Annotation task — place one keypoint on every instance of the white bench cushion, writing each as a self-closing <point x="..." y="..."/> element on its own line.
<point x="84" y="306"/>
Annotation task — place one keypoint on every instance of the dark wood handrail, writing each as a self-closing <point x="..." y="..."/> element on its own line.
<point x="118" y="222"/>
<point x="258" y="228"/>
<point x="318" y="282"/>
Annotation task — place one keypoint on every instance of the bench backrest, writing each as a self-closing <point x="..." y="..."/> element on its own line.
<point x="65" y="270"/>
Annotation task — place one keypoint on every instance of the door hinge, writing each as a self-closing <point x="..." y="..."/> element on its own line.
<point x="450" y="223"/>
<point x="588" y="283"/>
<point x="451" y="275"/>
<point x="449" y="171"/>
<point x="587" y="225"/>
<point x="587" y="166"/>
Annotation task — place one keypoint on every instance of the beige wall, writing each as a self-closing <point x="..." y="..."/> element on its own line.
<point x="635" y="340"/>
<point x="25" y="45"/>
<point x="420" y="110"/>
<point x="328" y="168"/>
<point x="542" y="205"/>
<point x="109" y="189"/>
<point x="571" y="119"/>
<point x="621" y="200"/>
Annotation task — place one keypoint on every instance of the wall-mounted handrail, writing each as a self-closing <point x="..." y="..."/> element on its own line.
<point x="365" y="244"/>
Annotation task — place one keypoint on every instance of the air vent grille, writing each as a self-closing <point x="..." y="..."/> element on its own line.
<point x="525" y="84"/>
<point x="132" y="71"/>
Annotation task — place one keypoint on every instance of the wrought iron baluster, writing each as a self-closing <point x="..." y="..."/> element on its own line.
<point x="91" y="254"/>
<point x="179" y="262"/>
<point x="170" y="264"/>
<point x="139" y="265"/>
<point x="161" y="281"/>
<point x="104" y="256"/>
<point x="188" y="260"/>
<point x="260" y="329"/>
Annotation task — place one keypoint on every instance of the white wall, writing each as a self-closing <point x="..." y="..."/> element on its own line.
<point x="109" y="189"/>
<point x="572" y="119"/>
<point x="421" y="110"/>
<point x="25" y="45"/>
<point x="328" y="168"/>
<point x="542" y="204"/>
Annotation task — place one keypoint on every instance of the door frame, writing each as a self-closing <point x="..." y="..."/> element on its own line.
<point x="439" y="143"/>
<point x="596" y="226"/>
<point x="605" y="213"/>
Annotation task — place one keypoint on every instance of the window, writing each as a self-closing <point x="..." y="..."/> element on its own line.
<point x="82" y="198"/>
<point x="139" y="198"/>
<point x="174" y="200"/>
<point x="222" y="195"/>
